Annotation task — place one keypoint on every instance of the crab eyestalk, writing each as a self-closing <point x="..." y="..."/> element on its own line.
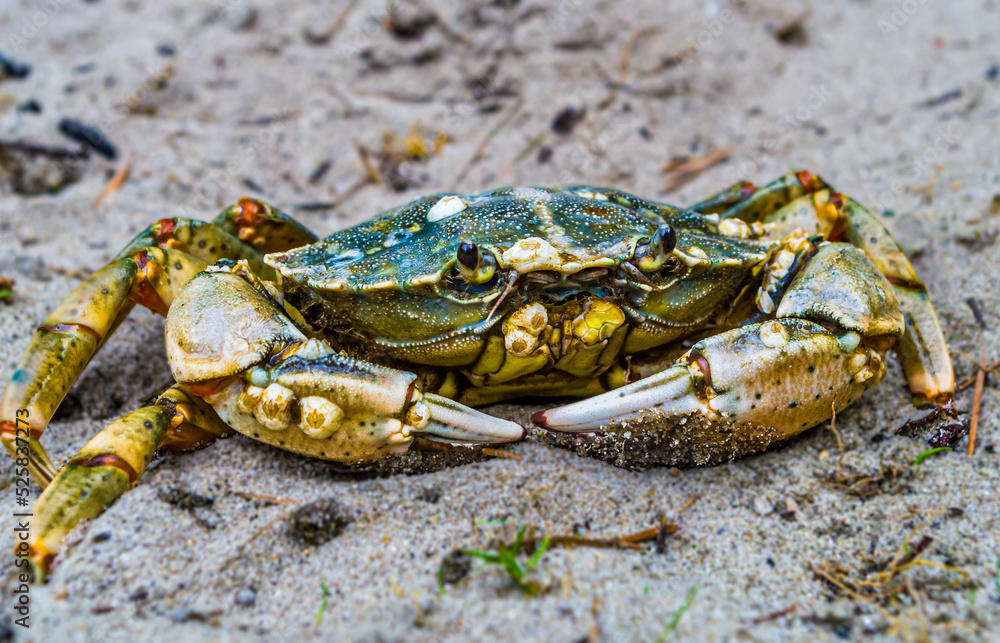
<point x="651" y="256"/>
<point x="475" y="266"/>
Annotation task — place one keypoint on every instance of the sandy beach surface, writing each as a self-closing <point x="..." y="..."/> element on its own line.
<point x="896" y="104"/>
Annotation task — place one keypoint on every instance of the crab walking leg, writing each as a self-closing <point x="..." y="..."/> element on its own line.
<point x="722" y="201"/>
<point x="151" y="268"/>
<point x="814" y="207"/>
<point x="922" y="348"/>
<point x="206" y="241"/>
<point x="745" y="202"/>
<point x="231" y="343"/>
<point x="263" y="227"/>
<point x="66" y="341"/>
<point x="111" y="463"/>
<point x="737" y="392"/>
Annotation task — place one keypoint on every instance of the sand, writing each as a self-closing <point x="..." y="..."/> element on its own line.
<point x="895" y="104"/>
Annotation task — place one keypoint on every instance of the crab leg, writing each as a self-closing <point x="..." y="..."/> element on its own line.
<point x="749" y="203"/>
<point x="803" y="200"/>
<point x="230" y="342"/>
<point x="111" y="463"/>
<point x="722" y="201"/>
<point x="149" y="271"/>
<point x="922" y="348"/>
<point x="737" y="392"/>
<point x="263" y="227"/>
<point x="72" y="334"/>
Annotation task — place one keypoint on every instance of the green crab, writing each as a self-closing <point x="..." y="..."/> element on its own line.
<point x="696" y="335"/>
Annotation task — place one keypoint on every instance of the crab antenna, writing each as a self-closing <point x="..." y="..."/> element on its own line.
<point x="511" y="282"/>
<point x="636" y="274"/>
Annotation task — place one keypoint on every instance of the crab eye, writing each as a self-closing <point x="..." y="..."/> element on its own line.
<point x="666" y="238"/>
<point x="468" y="255"/>
<point x="652" y="255"/>
<point x="475" y="266"/>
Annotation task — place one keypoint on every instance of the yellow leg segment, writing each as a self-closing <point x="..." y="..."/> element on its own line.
<point x="149" y="271"/>
<point x="72" y="334"/>
<point x="111" y="463"/>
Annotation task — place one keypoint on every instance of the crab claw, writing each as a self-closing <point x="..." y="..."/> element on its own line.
<point x="732" y="394"/>
<point x="231" y="345"/>
<point x="673" y="389"/>
<point x="759" y="384"/>
<point x="454" y="422"/>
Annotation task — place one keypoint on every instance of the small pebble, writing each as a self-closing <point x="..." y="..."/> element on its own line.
<point x="179" y="614"/>
<point x="318" y="522"/>
<point x="140" y="594"/>
<point x="10" y="68"/>
<point x="166" y="50"/>
<point x="89" y="136"/>
<point x="567" y="119"/>
<point x="246" y="596"/>
<point x="30" y="106"/>
<point x="455" y="566"/>
<point x="762" y="506"/>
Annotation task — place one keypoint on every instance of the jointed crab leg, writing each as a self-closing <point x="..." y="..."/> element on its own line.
<point x="803" y="200"/>
<point x="112" y="462"/>
<point x="263" y="227"/>
<point x="149" y="271"/>
<point x="922" y="349"/>
<point x="750" y="203"/>
<point x="69" y="338"/>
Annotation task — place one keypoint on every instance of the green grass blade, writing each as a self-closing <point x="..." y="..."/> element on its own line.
<point x="920" y="457"/>
<point x="488" y="556"/>
<point x="676" y="618"/>
<point x="538" y="553"/>
<point x="519" y="538"/>
<point x="322" y="607"/>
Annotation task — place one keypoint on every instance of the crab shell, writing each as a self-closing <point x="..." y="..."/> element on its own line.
<point x="394" y="281"/>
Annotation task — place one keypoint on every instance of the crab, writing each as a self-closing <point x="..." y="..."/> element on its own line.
<point x="695" y="335"/>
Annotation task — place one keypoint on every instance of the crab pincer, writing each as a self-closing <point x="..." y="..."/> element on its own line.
<point x="269" y="380"/>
